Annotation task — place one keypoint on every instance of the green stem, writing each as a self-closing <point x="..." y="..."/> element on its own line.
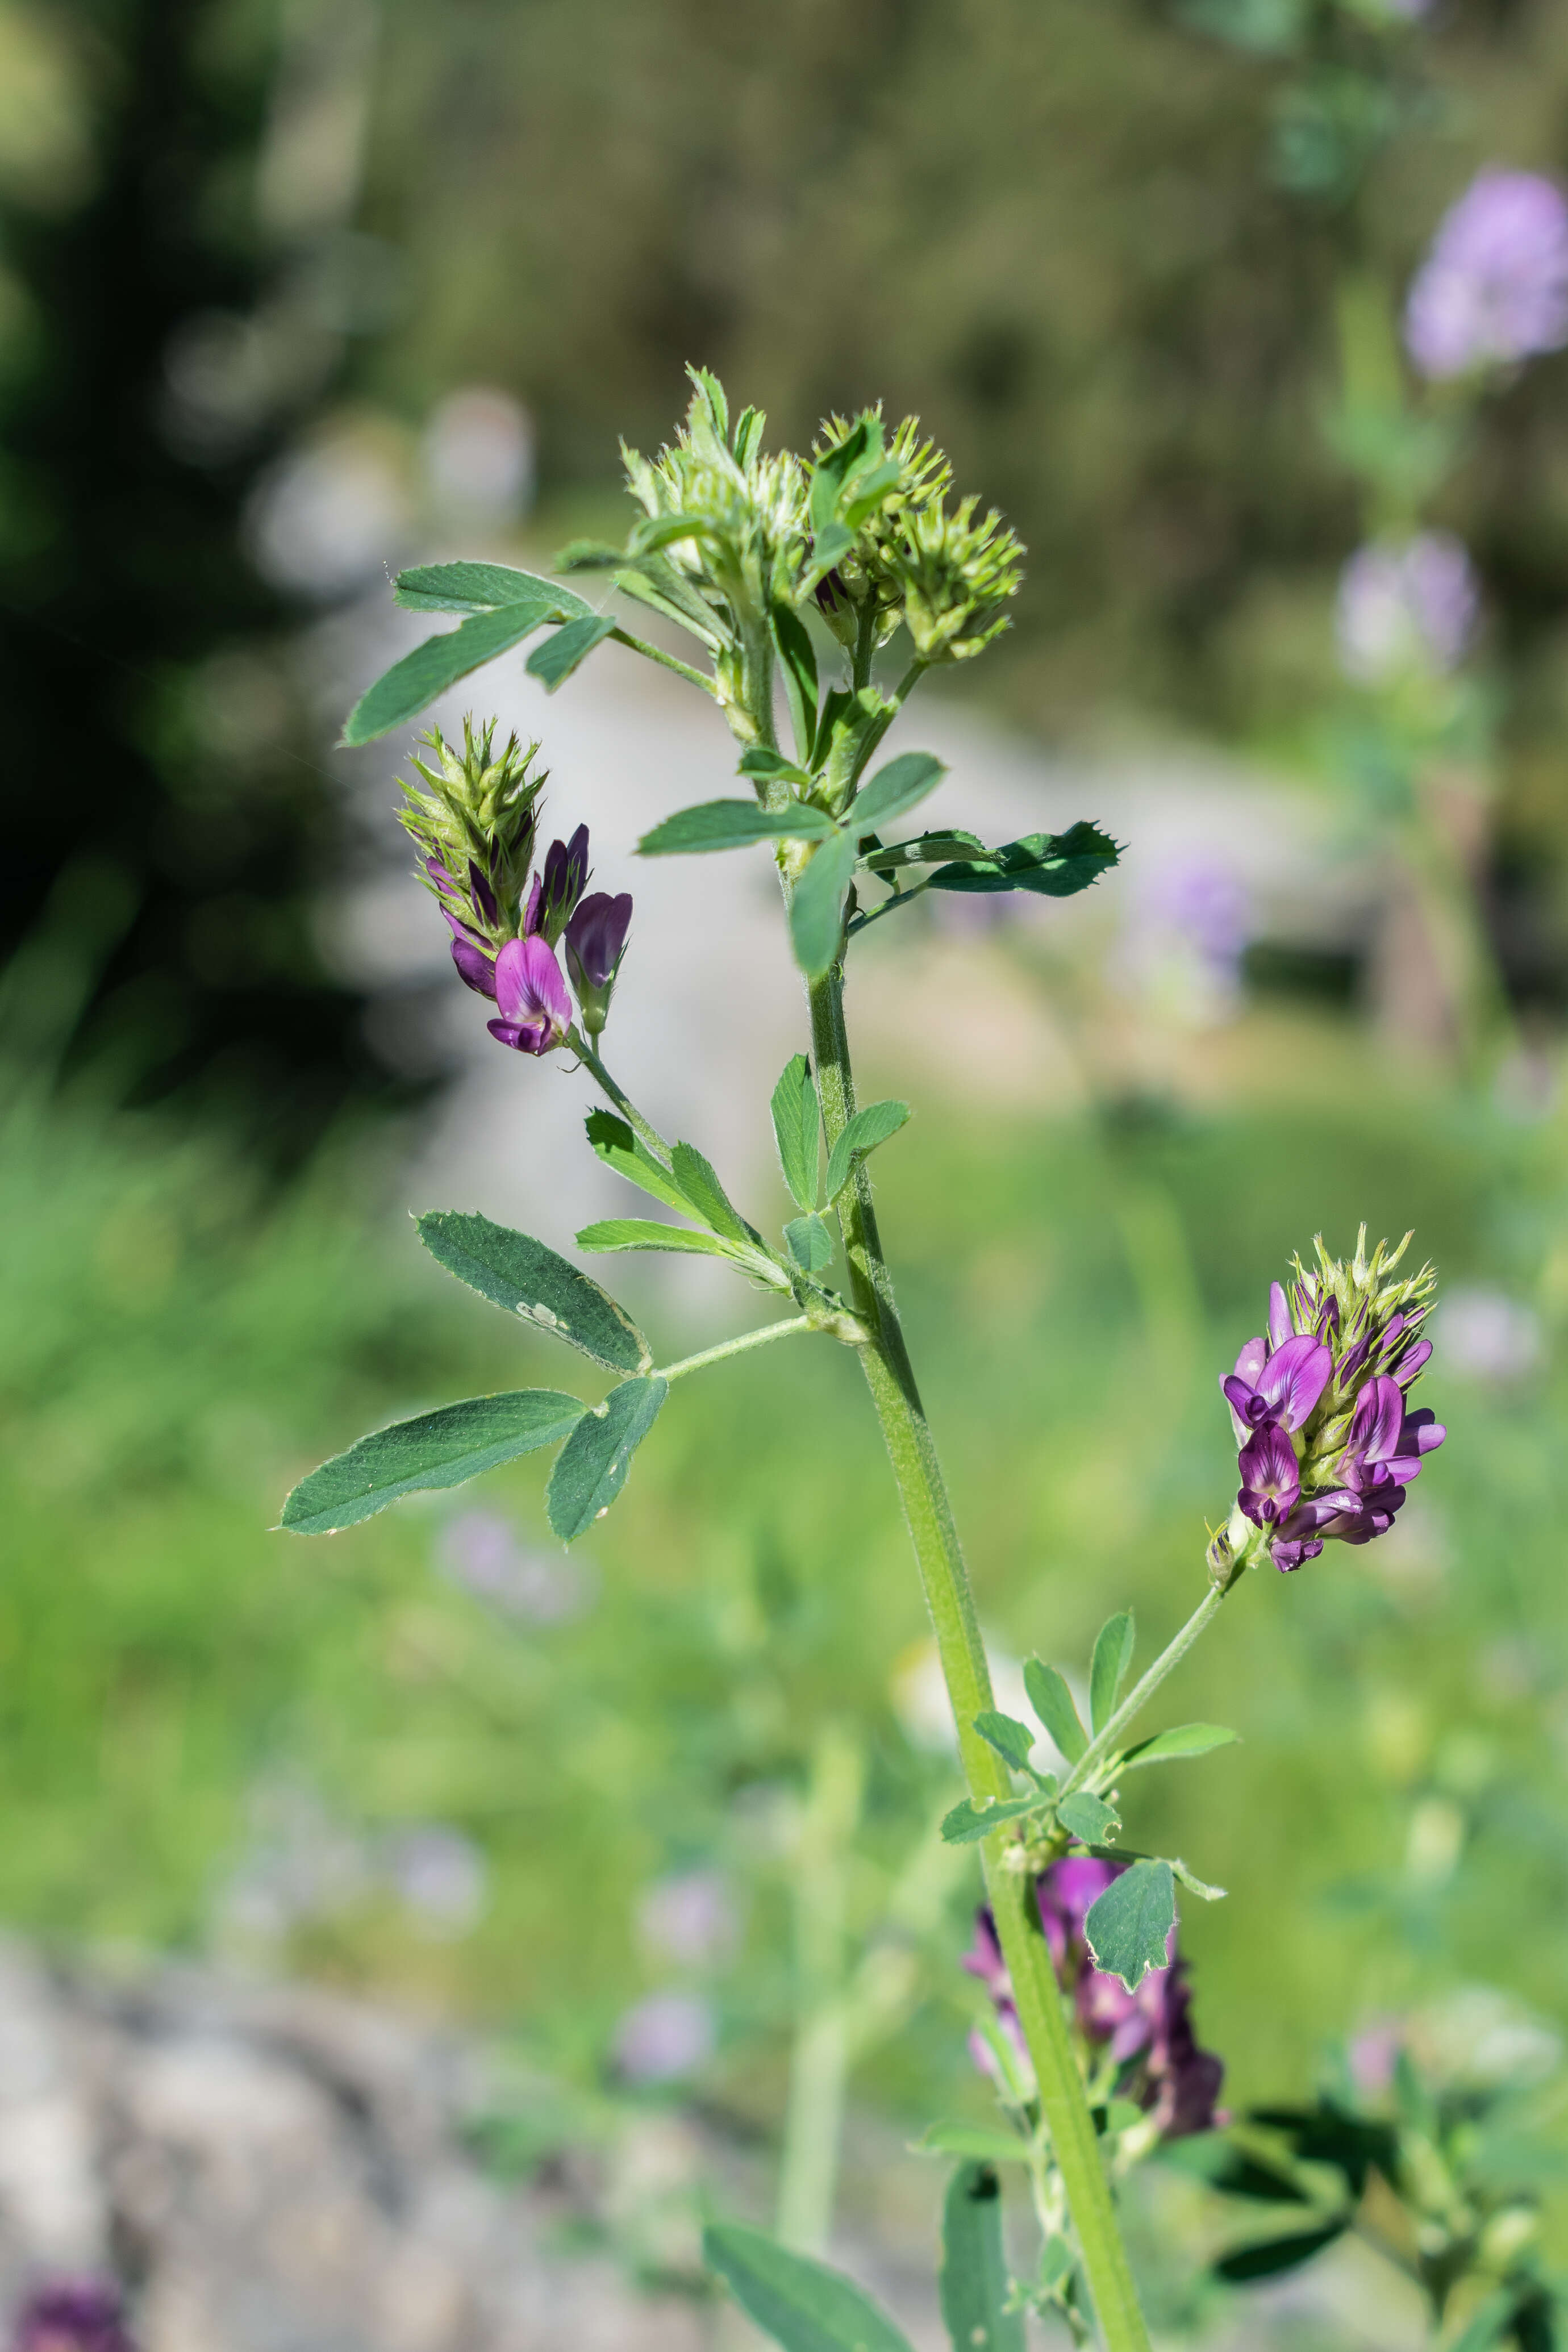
<point x="577" y="1043"/>
<point x="666" y="661"/>
<point x="758" y="1339"/>
<point x="929" y="1514"/>
<point x="1103" y="1744"/>
<point x="819" y="2060"/>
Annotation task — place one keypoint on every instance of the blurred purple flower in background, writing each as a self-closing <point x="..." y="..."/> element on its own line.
<point x="689" y="1918"/>
<point x="1494" y="285"/>
<point x="480" y="1551"/>
<point x="1405" y="607"/>
<point x="440" y="1876"/>
<point x="1490" y="1337"/>
<point x="73" y="2314"/>
<point x="1147" y="2033"/>
<point x="666" y="2036"/>
<point x="1189" y="925"/>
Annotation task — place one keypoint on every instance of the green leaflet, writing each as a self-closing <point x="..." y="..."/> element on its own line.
<point x="1052" y="865"/>
<point x="1011" y="1739"/>
<point x="733" y="825"/>
<point x="568" y="649"/>
<point x="762" y="764"/>
<point x="410" y="685"/>
<point x="797" y="665"/>
<point x="592" y="1467"/>
<point x="809" y="1243"/>
<point x="704" y="1194"/>
<point x="968" y="1823"/>
<point x="862" y="1134"/>
<point x="1112" y="1656"/>
<point x="1127" y="1928"/>
<point x="796" y="1129"/>
<point x="481" y="588"/>
<point x="643" y="1233"/>
<point x="975" y="2286"/>
<point x="971" y="2140"/>
<point x="1052" y="1702"/>
<point x="1275" y="2254"/>
<point x="619" y="1148"/>
<point x="516" y="1272"/>
<point x="1087" y="1818"/>
<point x="1185" y="1739"/>
<point x="894" y="788"/>
<point x="801" y="2304"/>
<point x="444" y="1448"/>
<point x="926" y="849"/>
<point x="817" y="904"/>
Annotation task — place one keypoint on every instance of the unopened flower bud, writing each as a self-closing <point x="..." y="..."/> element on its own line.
<point x="557" y="888"/>
<point x="596" y="942"/>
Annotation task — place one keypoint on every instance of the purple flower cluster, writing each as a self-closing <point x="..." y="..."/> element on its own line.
<point x="1493" y="288"/>
<point x="1328" y="1442"/>
<point x="72" y="2315"/>
<point x="1146" y="2036"/>
<point x="1406" y="606"/>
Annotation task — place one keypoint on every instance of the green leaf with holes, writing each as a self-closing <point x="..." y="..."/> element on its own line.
<point x="1088" y="1819"/>
<point x="593" y="1464"/>
<point x="515" y="1272"/>
<point x="444" y="1448"/>
<point x="800" y="2303"/>
<point x="975" y="2287"/>
<point x="1130" y="1925"/>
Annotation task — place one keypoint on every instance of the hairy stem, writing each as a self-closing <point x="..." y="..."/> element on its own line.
<point x="929" y="1514"/>
<point x="666" y="661"/>
<point x="1104" y="1742"/>
<point x="757" y="1338"/>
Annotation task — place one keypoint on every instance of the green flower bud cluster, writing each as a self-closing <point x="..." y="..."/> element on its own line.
<point x="863" y="584"/>
<point x="474" y="829"/>
<point x="955" y="576"/>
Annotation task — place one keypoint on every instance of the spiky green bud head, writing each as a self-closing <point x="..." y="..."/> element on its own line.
<point x="886" y="482"/>
<point x="478" y="816"/>
<point x="957" y="576"/>
<point x="745" y="512"/>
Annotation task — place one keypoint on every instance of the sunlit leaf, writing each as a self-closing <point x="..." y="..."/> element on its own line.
<point x="444" y="1448"/>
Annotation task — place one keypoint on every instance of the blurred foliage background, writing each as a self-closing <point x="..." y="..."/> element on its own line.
<point x="248" y="249"/>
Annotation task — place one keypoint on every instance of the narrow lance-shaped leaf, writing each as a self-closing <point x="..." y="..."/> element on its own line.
<point x="515" y="1272"/>
<point x="975" y="2287"/>
<point x="967" y="1823"/>
<point x="860" y="1135"/>
<point x="706" y="1195"/>
<point x="796" y="1128"/>
<point x="1128" y="1926"/>
<point x="1052" y="1702"/>
<point x="797" y="665"/>
<point x="1112" y="1656"/>
<point x="619" y="1148"/>
<point x="972" y="2140"/>
<point x="900" y="785"/>
<point x="1169" y="1747"/>
<point x="444" y="1448"/>
<point x="817" y="904"/>
<point x="593" y="1464"/>
<point x="411" y="685"/>
<point x="1273" y="2255"/>
<point x="644" y="1233"/>
<point x="568" y="649"/>
<point x="801" y="2304"/>
<point x="733" y="825"/>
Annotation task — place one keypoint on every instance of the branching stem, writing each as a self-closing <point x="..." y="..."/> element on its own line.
<point x="758" y="1339"/>
<point x="1104" y="1743"/>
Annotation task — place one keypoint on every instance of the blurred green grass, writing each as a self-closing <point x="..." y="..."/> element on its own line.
<point x="175" y="1347"/>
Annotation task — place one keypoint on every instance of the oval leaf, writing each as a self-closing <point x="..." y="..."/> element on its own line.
<point x="442" y="1448"/>
<point x="410" y="685"/>
<point x="976" y="2285"/>
<point x="801" y="2304"/>
<point x="863" y="1133"/>
<point x="1185" y="1739"/>
<point x="514" y="1271"/>
<point x="1088" y="1819"/>
<point x="481" y="588"/>
<point x="1011" y="1739"/>
<point x="899" y="786"/>
<point x="1276" y="2254"/>
<point x="1130" y="1926"/>
<point x="809" y="1243"/>
<point x="593" y="1464"/>
<point x="732" y="825"/>
<point x="816" y="905"/>
<point x="968" y="1823"/>
<point x="568" y="649"/>
<point x="1052" y="1702"/>
<point x="1112" y="1656"/>
<point x="796" y="1125"/>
